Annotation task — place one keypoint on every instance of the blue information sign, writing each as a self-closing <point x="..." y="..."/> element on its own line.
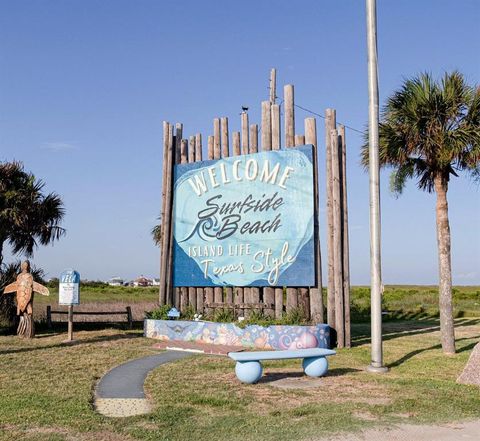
<point x="245" y="220"/>
<point x="69" y="288"/>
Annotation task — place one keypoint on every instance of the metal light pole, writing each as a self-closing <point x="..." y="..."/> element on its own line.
<point x="374" y="171"/>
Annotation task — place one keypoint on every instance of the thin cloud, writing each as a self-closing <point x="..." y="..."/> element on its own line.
<point x="58" y="147"/>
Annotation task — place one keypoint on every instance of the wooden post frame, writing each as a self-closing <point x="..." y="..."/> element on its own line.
<point x="288" y="97"/>
<point x="198" y="157"/>
<point x="210" y="213"/>
<point x="345" y="240"/>
<point x="276" y="145"/>
<point x="268" y="293"/>
<point x="337" y="242"/>
<point x="209" y="292"/>
<point x="316" y="292"/>
<point x="330" y="124"/>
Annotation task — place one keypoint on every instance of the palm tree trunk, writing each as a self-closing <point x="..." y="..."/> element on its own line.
<point x="445" y="267"/>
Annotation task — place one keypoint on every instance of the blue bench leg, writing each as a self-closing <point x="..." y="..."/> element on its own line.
<point x="248" y="371"/>
<point x="315" y="366"/>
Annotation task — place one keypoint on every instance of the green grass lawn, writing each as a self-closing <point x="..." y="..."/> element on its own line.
<point x="400" y="302"/>
<point x="46" y="389"/>
<point x="106" y="294"/>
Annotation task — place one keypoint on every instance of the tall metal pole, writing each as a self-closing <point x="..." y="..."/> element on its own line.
<point x="374" y="171"/>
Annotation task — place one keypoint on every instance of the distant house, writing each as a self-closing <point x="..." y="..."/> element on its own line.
<point x="115" y="281"/>
<point x="155" y="282"/>
<point x="142" y="281"/>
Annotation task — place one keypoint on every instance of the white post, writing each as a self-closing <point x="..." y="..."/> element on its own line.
<point x="374" y="170"/>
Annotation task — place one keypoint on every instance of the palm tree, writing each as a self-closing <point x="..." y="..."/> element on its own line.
<point x="430" y="131"/>
<point x="156" y="233"/>
<point x="28" y="217"/>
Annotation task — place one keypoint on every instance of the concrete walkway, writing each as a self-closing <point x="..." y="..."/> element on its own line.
<point x="119" y="393"/>
<point x="467" y="431"/>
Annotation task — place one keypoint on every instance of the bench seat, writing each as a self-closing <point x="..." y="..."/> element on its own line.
<point x="249" y="369"/>
<point x="280" y="355"/>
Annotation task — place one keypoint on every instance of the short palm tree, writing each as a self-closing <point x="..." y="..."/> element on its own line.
<point x="28" y="217"/>
<point x="156" y="233"/>
<point x="430" y="131"/>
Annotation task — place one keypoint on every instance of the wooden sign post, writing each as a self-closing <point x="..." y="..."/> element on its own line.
<point x="240" y="227"/>
<point x="69" y="295"/>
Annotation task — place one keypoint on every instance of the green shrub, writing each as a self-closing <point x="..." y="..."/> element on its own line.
<point x="256" y="317"/>
<point x="160" y="313"/>
<point x="189" y="312"/>
<point x="223" y="316"/>
<point x="294" y="317"/>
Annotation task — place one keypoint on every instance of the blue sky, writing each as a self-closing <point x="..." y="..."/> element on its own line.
<point x="85" y="86"/>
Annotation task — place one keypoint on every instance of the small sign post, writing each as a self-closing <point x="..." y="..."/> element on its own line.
<point x="69" y="295"/>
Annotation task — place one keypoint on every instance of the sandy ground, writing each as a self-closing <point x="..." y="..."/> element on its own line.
<point x="406" y="432"/>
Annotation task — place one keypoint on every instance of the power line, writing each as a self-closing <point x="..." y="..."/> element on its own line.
<point x="322" y="116"/>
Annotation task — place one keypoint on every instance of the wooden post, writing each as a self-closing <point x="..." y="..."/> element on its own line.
<point x="183" y="291"/>
<point x="276" y="146"/>
<point x="316" y="292"/>
<point x="266" y="126"/>
<point x="273" y="86"/>
<point x="345" y="241"/>
<point x="238" y="291"/>
<point x="330" y="124"/>
<point x="225" y="154"/>
<point x="254" y="292"/>
<point x="192" y="292"/>
<point x="224" y="137"/>
<point x="303" y="293"/>
<point x="165" y="267"/>
<point x="163" y="220"/>
<point x="49" y="317"/>
<point x="299" y="140"/>
<point x="268" y="292"/>
<point x="175" y="293"/>
<point x="70" y="323"/>
<point x="198" y="157"/>
<point x="129" y="317"/>
<point x="337" y="242"/>
<point x="217" y="154"/>
<point x="253" y="138"/>
<point x="209" y="294"/>
<point x="276" y="136"/>
<point x="244" y="124"/>
<point x="288" y="97"/>
<point x="216" y="139"/>
<point x="247" y="291"/>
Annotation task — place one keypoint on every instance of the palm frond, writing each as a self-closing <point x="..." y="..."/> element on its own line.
<point x="432" y="126"/>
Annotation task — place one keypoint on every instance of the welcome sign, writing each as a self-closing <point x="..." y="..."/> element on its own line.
<point x="245" y="220"/>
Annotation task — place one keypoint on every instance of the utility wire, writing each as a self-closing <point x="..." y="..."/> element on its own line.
<point x="322" y="116"/>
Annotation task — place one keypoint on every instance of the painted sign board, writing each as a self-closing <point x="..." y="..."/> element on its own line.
<point x="69" y="288"/>
<point x="245" y="220"/>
